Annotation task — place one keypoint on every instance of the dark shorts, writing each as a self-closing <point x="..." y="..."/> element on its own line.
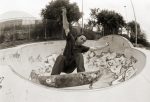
<point x="68" y="66"/>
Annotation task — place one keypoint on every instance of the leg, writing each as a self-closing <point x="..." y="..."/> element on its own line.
<point x="70" y="66"/>
<point x="79" y="62"/>
<point x="59" y="65"/>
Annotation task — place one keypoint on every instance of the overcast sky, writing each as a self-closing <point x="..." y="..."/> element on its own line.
<point x="142" y="8"/>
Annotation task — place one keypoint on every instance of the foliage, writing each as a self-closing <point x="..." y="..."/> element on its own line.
<point x="141" y="36"/>
<point x="52" y="14"/>
<point x="111" y="21"/>
<point x="90" y="35"/>
<point x="131" y="27"/>
<point x="38" y="32"/>
<point x="93" y="18"/>
<point x="2" y="38"/>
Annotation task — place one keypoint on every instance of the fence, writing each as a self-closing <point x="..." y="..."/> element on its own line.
<point x="31" y="29"/>
<point x="46" y="29"/>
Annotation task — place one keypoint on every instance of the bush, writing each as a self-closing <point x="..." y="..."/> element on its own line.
<point x="144" y="42"/>
<point x="38" y="32"/>
<point x="90" y="35"/>
<point x="2" y="38"/>
<point x="126" y="36"/>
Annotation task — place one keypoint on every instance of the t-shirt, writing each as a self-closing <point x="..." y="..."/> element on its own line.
<point x="71" y="48"/>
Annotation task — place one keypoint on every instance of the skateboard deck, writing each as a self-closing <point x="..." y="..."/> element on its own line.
<point x="70" y="80"/>
<point x="111" y="65"/>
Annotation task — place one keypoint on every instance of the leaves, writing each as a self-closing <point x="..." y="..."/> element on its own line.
<point x="110" y="20"/>
<point x="52" y="15"/>
<point x="54" y="11"/>
<point x="131" y="26"/>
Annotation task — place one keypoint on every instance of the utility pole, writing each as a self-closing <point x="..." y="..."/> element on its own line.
<point x="126" y="13"/>
<point x="135" y="22"/>
<point x="29" y="32"/>
<point x="82" y="16"/>
<point x="45" y="29"/>
<point x="14" y="32"/>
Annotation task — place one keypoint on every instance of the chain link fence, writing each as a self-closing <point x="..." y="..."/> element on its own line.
<point x="47" y="29"/>
<point x="28" y="30"/>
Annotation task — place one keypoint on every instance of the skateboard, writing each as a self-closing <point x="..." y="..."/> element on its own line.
<point x="70" y="80"/>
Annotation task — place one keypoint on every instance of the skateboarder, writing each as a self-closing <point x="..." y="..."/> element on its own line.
<point x="72" y="57"/>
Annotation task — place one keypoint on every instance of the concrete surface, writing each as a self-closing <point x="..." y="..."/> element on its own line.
<point x="19" y="89"/>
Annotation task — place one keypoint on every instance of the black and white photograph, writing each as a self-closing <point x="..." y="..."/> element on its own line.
<point x="74" y="51"/>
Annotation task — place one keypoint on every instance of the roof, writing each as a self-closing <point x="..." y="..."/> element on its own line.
<point x="12" y="15"/>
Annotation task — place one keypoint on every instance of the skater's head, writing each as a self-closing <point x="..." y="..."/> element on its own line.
<point x="80" y="39"/>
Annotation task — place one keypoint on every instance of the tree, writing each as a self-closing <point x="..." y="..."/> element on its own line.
<point x="53" y="14"/>
<point x="131" y="26"/>
<point x="93" y="17"/>
<point x="141" y="36"/>
<point x="38" y="32"/>
<point x="111" y="21"/>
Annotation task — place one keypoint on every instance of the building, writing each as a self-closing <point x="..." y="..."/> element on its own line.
<point x="16" y="23"/>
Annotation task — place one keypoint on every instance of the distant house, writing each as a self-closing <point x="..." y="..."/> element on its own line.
<point x="17" y="23"/>
<point x="125" y="31"/>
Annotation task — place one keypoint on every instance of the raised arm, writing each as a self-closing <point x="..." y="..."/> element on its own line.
<point x="65" y="21"/>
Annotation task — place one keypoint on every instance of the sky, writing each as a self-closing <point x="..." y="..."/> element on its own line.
<point x="142" y="8"/>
